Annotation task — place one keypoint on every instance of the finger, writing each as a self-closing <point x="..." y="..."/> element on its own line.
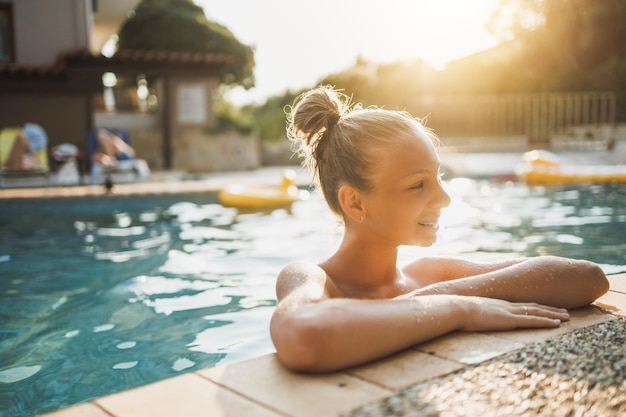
<point x="552" y="309"/>
<point x="538" y="322"/>
<point x="543" y="311"/>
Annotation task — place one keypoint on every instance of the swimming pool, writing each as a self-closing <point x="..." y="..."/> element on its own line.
<point x="104" y="294"/>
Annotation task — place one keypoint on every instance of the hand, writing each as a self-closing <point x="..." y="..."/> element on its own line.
<point x="489" y="314"/>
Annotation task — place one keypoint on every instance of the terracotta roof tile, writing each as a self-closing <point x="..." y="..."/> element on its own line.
<point x="147" y="56"/>
<point x="58" y="69"/>
<point x="27" y="71"/>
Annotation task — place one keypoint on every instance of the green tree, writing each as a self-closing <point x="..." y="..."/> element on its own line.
<point x="392" y="85"/>
<point x="181" y="25"/>
<point x="269" y="119"/>
<point x="569" y="44"/>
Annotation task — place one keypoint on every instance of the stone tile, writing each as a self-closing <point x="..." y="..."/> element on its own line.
<point x="618" y="283"/>
<point x="187" y="395"/>
<point x="526" y="336"/>
<point x="405" y="369"/>
<point x="581" y="317"/>
<point x="81" y="410"/>
<point x="266" y="381"/>
<point x="469" y="348"/>
<point x="586" y="316"/>
<point x="613" y="302"/>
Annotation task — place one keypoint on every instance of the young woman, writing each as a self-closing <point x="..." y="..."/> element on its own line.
<point x="379" y="171"/>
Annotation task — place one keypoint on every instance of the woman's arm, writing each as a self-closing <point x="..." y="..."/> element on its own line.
<point x="314" y="333"/>
<point x="547" y="280"/>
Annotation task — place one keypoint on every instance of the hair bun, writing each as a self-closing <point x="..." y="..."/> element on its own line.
<point x="333" y="119"/>
<point x="316" y="112"/>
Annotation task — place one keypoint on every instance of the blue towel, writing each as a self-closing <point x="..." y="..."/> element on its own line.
<point x="37" y="137"/>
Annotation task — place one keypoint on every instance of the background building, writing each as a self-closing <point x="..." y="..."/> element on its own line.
<point x="53" y="73"/>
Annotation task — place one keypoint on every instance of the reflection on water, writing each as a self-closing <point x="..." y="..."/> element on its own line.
<point x="96" y="303"/>
<point x="93" y="302"/>
<point x="583" y="221"/>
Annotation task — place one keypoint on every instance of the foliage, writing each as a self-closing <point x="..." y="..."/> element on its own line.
<point x="269" y="120"/>
<point x="567" y="44"/>
<point x="228" y="117"/>
<point x="391" y="85"/>
<point x="383" y="85"/>
<point x="181" y="25"/>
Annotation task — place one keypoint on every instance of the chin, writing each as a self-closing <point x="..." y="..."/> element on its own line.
<point x="424" y="243"/>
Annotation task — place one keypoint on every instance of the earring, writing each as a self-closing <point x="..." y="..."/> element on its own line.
<point x="361" y="218"/>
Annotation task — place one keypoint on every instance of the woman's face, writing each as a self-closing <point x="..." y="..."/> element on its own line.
<point x="404" y="205"/>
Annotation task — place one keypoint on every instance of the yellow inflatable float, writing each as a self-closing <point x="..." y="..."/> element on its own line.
<point x="251" y="197"/>
<point x="541" y="167"/>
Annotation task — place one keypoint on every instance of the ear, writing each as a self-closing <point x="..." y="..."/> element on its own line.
<point x="351" y="202"/>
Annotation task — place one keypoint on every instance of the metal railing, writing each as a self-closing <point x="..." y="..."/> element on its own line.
<point x="536" y="116"/>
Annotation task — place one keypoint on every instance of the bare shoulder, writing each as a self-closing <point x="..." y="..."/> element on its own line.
<point x="300" y="275"/>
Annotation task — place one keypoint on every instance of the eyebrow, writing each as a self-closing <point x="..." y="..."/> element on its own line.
<point x="422" y="171"/>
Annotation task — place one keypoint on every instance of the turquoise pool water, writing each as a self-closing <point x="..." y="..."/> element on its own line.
<point x="100" y="295"/>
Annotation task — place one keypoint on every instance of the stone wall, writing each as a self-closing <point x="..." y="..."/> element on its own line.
<point x="230" y="151"/>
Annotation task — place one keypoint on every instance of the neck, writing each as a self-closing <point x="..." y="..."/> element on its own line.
<point x="359" y="268"/>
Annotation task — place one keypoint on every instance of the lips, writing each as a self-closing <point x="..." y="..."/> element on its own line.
<point x="429" y="224"/>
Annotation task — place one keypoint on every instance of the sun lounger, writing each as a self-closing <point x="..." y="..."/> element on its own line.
<point x="127" y="168"/>
<point x="32" y="167"/>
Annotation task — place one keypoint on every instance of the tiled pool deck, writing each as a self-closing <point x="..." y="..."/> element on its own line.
<point x="262" y="387"/>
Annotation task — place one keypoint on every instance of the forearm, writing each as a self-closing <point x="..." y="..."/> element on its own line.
<point x="545" y="280"/>
<point x="340" y="333"/>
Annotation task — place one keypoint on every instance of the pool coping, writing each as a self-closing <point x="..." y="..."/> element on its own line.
<point x="262" y="387"/>
<point x="163" y="183"/>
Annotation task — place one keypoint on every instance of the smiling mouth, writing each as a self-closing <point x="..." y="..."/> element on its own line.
<point x="429" y="224"/>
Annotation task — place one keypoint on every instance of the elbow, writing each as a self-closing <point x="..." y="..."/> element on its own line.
<point x="599" y="282"/>
<point x="297" y="344"/>
<point x="595" y="283"/>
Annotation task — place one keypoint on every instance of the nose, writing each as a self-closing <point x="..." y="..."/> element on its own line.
<point x="441" y="198"/>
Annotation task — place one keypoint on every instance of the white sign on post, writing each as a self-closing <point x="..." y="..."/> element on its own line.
<point x="191" y="104"/>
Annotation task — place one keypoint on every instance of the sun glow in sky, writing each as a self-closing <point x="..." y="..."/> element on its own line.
<point x="297" y="42"/>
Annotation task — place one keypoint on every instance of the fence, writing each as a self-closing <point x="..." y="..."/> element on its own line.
<point x="537" y="117"/>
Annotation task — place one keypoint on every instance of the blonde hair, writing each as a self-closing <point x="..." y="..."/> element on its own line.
<point x="336" y="138"/>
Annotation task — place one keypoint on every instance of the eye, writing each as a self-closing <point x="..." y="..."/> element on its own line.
<point x="418" y="186"/>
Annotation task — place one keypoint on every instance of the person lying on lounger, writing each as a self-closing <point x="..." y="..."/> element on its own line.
<point x="111" y="154"/>
<point x="111" y="148"/>
<point x="379" y="172"/>
<point x="23" y="152"/>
